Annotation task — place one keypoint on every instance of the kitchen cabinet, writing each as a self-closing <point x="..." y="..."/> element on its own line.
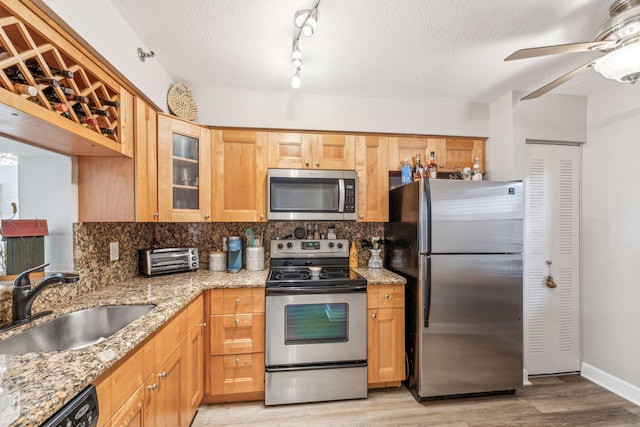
<point x="120" y="189"/>
<point x="195" y="356"/>
<point x="311" y="150"/>
<point x="449" y="151"/>
<point x="373" y="179"/>
<point x="155" y="385"/>
<point x="184" y="170"/>
<point x="239" y="175"/>
<point x="385" y="309"/>
<point x="33" y="41"/>
<point x="234" y="355"/>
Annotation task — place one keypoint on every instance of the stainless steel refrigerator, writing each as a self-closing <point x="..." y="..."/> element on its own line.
<point x="459" y="245"/>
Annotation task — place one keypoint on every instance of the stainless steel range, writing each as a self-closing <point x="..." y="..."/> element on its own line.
<point x="316" y="323"/>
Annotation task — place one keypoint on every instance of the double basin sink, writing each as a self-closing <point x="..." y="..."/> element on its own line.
<point x="74" y="330"/>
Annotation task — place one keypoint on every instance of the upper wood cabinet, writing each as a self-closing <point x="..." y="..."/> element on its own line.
<point x="373" y="178"/>
<point x="239" y="175"/>
<point x="184" y="170"/>
<point x="120" y="189"/>
<point x="32" y="47"/>
<point x="311" y="150"/>
<point x="449" y="151"/>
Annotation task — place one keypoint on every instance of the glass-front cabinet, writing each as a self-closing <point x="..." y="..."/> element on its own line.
<point x="184" y="170"/>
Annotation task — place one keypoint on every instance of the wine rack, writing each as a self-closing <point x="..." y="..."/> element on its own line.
<point x="82" y="98"/>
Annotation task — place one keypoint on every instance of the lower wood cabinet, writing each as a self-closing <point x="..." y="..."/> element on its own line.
<point x="157" y="383"/>
<point x="234" y="362"/>
<point x="385" y="309"/>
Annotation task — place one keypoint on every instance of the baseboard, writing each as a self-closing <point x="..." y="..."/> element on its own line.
<point x="611" y="383"/>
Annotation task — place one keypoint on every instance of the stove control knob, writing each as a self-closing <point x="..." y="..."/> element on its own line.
<point x="339" y="245"/>
<point x="280" y="246"/>
<point x="331" y="244"/>
<point x="289" y="245"/>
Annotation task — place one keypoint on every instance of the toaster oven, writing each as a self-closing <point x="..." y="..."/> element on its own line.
<point x="169" y="260"/>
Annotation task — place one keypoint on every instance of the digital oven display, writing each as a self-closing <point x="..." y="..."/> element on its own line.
<point x="312" y="246"/>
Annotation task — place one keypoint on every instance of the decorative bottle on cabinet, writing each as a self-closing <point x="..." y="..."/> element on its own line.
<point x="433" y="166"/>
<point x="406" y="172"/>
<point x="477" y="173"/>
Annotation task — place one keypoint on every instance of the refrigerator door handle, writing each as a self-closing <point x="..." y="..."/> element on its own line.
<point x="427" y="290"/>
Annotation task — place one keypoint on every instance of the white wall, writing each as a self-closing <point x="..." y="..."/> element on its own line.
<point x="513" y="122"/>
<point x="49" y="198"/>
<point x="611" y="239"/>
<point x="114" y="39"/>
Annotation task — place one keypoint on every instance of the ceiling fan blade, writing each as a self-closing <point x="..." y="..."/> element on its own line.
<point x="557" y="82"/>
<point x="559" y="48"/>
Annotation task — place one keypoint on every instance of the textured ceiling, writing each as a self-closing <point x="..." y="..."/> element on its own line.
<point x="429" y="49"/>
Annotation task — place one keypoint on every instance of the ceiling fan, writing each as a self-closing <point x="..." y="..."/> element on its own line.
<point x="618" y="38"/>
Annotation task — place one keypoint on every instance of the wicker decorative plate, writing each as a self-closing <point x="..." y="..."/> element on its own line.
<point x="180" y="101"/>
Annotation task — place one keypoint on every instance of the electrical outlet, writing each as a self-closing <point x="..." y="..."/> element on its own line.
<point x="114" y="251"/>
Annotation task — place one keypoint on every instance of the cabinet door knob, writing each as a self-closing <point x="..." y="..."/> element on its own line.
<point x="238" y="361"/>
<point x="261" y="216"/>
<point x="207" y="216"/>
<point x="317" y="163"/>
<point x="163" y="375"/>
<point x="237" y="300"/>
<point x="361" y="216"/>
<point x="373" y="315"/>
<point x="156" y="214"/>
<point x="237" y="322"/>
<point x="202" y="325"/>
<point x="306" y="163"/>
<point x="152" y="387"/>
<point x="386" y="296"/>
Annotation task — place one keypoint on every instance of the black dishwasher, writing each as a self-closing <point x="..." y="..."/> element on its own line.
<point x="81" y="411"/>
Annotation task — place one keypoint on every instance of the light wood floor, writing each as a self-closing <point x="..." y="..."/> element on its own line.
<point x="551" y="401"/>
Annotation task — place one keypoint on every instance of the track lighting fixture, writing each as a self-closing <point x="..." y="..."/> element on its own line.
<point x="306" y="22"/>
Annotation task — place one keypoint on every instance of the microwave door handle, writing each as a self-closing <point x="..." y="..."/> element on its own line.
<point x="341" y="192"/>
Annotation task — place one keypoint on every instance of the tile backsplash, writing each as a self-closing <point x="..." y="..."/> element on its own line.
<point x="92" y="240"/>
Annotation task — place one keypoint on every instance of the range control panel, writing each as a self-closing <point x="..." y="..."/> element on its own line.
<point x="303" y="248"/>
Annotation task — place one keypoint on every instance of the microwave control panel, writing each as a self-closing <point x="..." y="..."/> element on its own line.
<point x="350" y="195"/>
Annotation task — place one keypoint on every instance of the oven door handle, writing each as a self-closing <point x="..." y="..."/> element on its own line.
<point x="307" y="290"/>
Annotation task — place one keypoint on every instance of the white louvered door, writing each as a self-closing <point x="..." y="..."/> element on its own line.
<point x="552" y="315"/>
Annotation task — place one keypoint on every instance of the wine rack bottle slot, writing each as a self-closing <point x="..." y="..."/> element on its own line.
<point x="39" y="63"/>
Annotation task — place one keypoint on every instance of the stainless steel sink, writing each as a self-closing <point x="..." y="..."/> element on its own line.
<point x="74" y="330"/>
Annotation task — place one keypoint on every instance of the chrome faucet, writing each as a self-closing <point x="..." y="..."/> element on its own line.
<point x="23" y="295"/>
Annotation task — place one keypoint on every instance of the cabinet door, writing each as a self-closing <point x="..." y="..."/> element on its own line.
<point x="373" y="179"/>
<point x="460" y="152"/>
<point x="134" y="412"/>
<point x="289" y="150"/>
<point x="195" y="357"/>
<point x="333" y="151"/>
<point x="386" y="345"/>
<point x="239" y="175"/>
<point x="168" y="402"/>
<point x="406" y="147"/>
<point x="184" y="170"/>
<point x="146" y="158"/>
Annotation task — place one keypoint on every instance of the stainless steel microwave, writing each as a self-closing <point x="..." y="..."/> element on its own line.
<point x="301" y="194"/>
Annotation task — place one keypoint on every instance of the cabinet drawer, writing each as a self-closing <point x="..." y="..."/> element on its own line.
<point x="237" y="300"/>
<point x="195" y="312"/>
<point x="237" y="333"/>
<point x="385" y="296"/>
<point x="237" y="373"/>
<point x="170" y="335"/>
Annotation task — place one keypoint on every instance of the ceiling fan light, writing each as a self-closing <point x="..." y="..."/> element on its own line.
<point x="296" y="58"/>
<point x="622" y="64"/>
<point x="295" y="80"/>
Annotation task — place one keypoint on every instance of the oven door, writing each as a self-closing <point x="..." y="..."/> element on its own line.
<point x="315" y="328"/>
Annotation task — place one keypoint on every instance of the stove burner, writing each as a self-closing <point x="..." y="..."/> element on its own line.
<point x="292" y="275"/>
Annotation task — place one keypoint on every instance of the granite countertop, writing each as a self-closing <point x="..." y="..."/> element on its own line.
<point x="34" y="386"/>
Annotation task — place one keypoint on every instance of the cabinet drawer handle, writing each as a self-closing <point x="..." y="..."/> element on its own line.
<point x="237" y="322"/>
<point x="237" y="300"/>
<point x="163" y="375"/>
<point x="152" y="387"/>
<point x="238" y="361"/>
<point x="386" y="296"/>
<point x="373" y="315"/>
<point x="202" y="325"/>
